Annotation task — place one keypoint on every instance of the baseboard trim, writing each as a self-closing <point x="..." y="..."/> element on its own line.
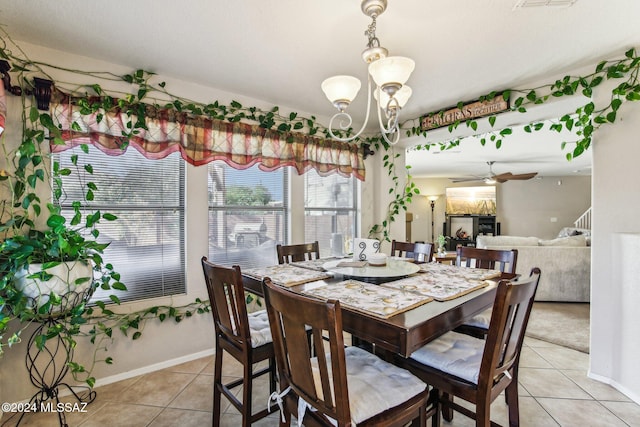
<point x="152" y="368"/>
<point x="621" y="388"/>
<point x="134" y="373"/>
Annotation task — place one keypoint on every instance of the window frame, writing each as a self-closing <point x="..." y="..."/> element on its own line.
<point x="224" y="209"/>
<point x="135" y="293"/>
<point x="337" y="210"/>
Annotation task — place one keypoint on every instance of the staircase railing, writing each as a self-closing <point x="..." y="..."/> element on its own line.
<point x="584" y="221"/>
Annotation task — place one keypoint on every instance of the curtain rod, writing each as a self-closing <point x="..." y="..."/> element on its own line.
<point x="41" y="87"/>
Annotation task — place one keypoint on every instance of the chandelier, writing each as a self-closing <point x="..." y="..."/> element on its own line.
<point x="388" y="73"/>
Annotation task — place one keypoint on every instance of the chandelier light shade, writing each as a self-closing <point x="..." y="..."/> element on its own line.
<point x="387" y="75"/>
<point x="341" y="90"/>
<point x="402" y="96"/>
<point x="392" y="71"/>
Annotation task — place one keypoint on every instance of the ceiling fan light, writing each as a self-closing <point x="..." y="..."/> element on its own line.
<point x="490" y="180"/>
<point x="392" y="70"/>
<point x="341" y="89"/>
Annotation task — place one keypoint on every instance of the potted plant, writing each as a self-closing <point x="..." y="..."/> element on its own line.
<point x="42" y="266"/>
<point x="442" y="244"/>
<point x="49" y="264"/>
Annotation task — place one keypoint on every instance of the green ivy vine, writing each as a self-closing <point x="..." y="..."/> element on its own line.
<point x="585" y="120"/>
<point x="94" y="97"/>
<point x="402" y="197"/>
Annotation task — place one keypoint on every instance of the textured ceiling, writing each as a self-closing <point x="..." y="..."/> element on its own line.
<point x="279" y="51"/>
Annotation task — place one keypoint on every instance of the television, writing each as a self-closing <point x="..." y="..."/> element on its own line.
<point x="471" y="200"/>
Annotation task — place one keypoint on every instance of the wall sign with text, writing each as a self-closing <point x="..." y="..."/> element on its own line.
<point x="472" y="110"/>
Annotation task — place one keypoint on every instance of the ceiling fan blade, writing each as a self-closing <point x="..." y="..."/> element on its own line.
<point x="524" y="176"/>
<point x="468" y="179"/>
<point x="508" y="176"/>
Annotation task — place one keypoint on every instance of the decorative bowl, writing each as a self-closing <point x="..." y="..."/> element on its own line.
<point x="377" y="260"/>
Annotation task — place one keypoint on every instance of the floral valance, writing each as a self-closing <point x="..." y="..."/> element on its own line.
<point x="201" y="140"/>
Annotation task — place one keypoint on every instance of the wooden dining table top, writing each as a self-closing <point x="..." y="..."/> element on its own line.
<point x="407" y="331"/>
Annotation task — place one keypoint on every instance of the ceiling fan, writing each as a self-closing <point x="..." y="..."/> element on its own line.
<point x="492" y="178"/>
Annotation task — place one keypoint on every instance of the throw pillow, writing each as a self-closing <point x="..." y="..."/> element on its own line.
<point x="571" y="241"/>
<point x="572" y="231"/>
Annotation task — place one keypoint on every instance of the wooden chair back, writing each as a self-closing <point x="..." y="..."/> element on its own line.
<point x="228" y="305"/>
<point x="233" y="335"/>
<point x="498" y="370"/>
<point x="402" y="249"/>
<point x="493" y="259"/>
<point x="509" y="319"/>
<point x="322" y="381"/>
<point x="301" y="252"/>
<point x="288" y="315"/>
<point x="421" y="252"/>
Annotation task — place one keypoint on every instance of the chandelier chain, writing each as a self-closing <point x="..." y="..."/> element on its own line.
<point x="370" y="32"/>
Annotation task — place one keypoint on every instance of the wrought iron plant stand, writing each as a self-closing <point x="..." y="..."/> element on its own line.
<point x="48" y="364"/>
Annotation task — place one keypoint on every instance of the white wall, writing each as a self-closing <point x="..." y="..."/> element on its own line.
<point x="524" y="208"/>
<point x="376" y="197"/>
<point x="614" y="290"/>
<point x="529" y="208"/>
<point x="421" y="209"/>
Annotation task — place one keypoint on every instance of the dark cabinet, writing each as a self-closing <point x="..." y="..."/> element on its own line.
<point x="464" y="229"/>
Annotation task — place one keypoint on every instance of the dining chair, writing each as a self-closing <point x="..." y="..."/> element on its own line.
<point x="421" y="252"/>
<point x="493" y="259"/>
<point x="402" y="249"/>
<point x="300" y="252"/>
<point x="478" y="370"/>
<point x="246" y="337"/>
<point x="344" y="386"/>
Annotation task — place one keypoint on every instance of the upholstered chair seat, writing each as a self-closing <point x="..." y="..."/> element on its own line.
<point x="454" y="353"/>
<point x="374" y="385"/>
<point x="481" y="320"/>
<point x="259" y="328"/>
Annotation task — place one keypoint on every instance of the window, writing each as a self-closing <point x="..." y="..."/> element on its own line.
<point x="330" y="212"/>
<point x="147" y="239"/>
<point x="248" y="214"/>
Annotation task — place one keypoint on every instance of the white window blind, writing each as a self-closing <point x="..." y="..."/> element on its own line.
<point x="147" y="196"/>
<point x="330" y="212"/>
<point x="248" y="214"/>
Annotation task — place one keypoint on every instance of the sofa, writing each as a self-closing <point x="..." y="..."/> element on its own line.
<point x="565" y="263"/>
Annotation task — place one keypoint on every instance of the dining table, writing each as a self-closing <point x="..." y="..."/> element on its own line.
<point x="407" y="330"/>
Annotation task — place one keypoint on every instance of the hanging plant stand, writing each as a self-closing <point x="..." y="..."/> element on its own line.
<point x="53" y="293"/>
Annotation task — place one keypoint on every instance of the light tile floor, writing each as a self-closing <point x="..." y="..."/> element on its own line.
<point x="554" y="391"/>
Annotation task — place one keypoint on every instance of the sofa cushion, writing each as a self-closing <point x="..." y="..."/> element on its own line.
<point x="483" y="242"/>
<point x="571" y="241"/>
